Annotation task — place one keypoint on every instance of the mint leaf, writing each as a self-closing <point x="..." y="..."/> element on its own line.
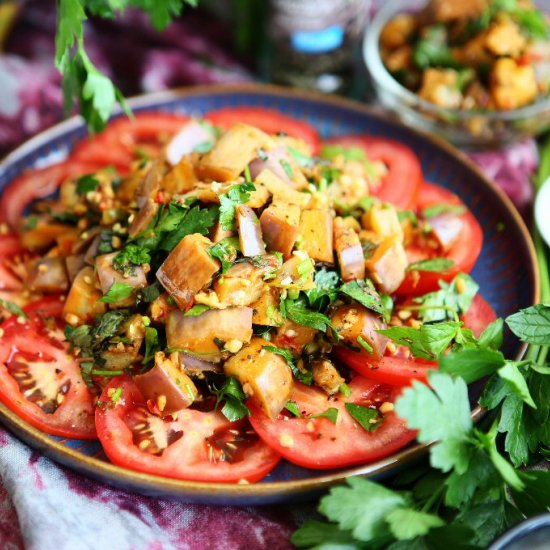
<point x="471" y="364"/>
<point x="447" y="303"/>
<point x="531" y="325"/>
<point x="331" y="414"/>
<point x="435" y="264"/>
<point x="512" y="424"/>
<point x="492" y="336"/>
<point x="440" y="413"/>
<point x="369" y="419"/>
<point x="364" y="293"/>
<point x="118" y="291"/>
<point x="513" y="376"/>
<point x="428" y="341"/>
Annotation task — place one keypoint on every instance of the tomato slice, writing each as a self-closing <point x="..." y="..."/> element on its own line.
<point x="479" y="315"/>
<point x="36" y="184"/>
<point x="393" y="370"/>
<point x="11" y="250"/>
<point x="401" y="184"/>
<point x="318" y="443"/>
<point x="39" y="380"/>
<point x="118" y="143"/>
<point x="463" y="253"/>
<point x="196" y="445"/>
<point x="268" y="120"/>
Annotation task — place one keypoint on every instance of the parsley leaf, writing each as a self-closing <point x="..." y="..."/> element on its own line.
<point x="292" y="407"/>
<point x="129" y="257"/>
<point x="195" y="220"/>
<point x="118" y="291"/>
<point x="307" y="318"/>
<point x="233" y="396"/>
<point x="472" y="364"/>
<point x="86" y="183"/>
<point x="440" y="413"/>
<point x="152" y="344"/>
<point x="225" y="251"/>
<point x="406" y="523"/>
<point x="237" y="194"/>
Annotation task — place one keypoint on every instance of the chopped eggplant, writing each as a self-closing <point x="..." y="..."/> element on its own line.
<point x="192" y="135"/>
<point x="73" y="264"/>
<point x="388" y="264"/>
<point x="296" y="273"/>
<point x="280" y="223"/>
<point x="48" y="274"/>
<point x="151" y="183"/>
<point x="316" y="234"/>
<point x="266" y="308"/>
<point x="241" y="285"/>
<point x="181" y="178"/>
<point x="125" y="353"/>
<point x="44" y="234"/>
<point x="348" y="251"/>
<point x="168" y="387"/>
<point x="383" y="221"/>
<point x="264" y="375"/>
<point x="446" y="228"/>
<point x="82" y="303"/>
<point x="250" y="231"/>
<point x="294" y="336"/>
<point x="144" y="217"/>
<point x="232" y="153"/>
<point x="209" y="334"/>
<point x="188" y="268"/>
<point x="280" y="190"/>
<point x="108" y="275"/>
<point x="326" y="376"/>
<point x="357" y="327"/>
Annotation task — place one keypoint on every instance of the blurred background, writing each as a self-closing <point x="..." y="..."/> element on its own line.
<point x="302" y="43"/>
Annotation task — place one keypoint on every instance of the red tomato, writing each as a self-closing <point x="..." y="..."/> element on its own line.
<point x="199" y="446"/>
<point x="118" y="143"/>
<point x="40" y="381"/>
<point x="463" y="253"/>
<point x="10" y="249"/>
<point x="402" y="182"/>
<point x="396" y="371"/>
<point x="318" y="443"/>
<point x="268" y="120"/>
<point x="479" y="315"/>
<point x="37" y="184"/>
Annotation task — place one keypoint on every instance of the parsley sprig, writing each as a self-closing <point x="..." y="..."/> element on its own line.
<point x="83" y="82"/>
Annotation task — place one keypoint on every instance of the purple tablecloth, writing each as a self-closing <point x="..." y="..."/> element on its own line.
<point x="44" y="506"/>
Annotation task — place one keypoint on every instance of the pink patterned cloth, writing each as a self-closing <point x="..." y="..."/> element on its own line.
<point x="44" y="506"/>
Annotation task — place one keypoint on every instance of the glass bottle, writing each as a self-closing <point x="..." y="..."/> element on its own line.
<point x="314" y="43"/>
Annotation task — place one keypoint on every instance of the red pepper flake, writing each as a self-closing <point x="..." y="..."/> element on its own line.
<point x="159" y="199"/>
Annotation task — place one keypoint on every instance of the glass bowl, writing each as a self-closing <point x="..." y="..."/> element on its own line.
<point x="474" y="129"/>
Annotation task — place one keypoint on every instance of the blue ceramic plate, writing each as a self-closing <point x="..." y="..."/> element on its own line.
<point x="505" y="272"/>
